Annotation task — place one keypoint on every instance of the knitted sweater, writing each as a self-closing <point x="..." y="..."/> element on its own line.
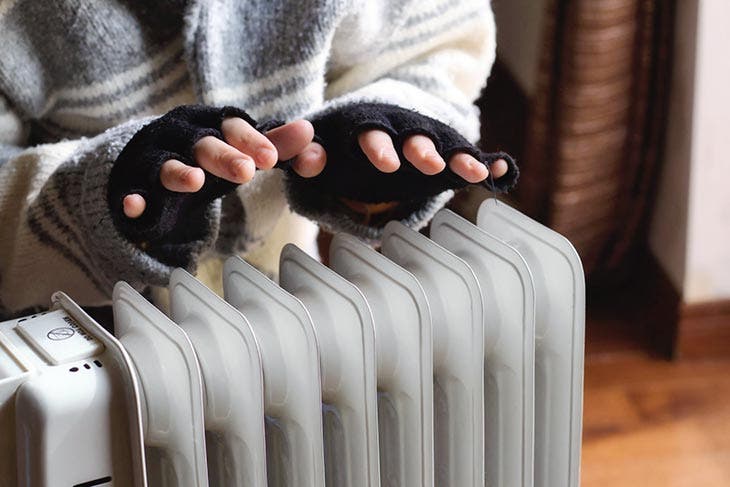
<point x="79" y="79"/>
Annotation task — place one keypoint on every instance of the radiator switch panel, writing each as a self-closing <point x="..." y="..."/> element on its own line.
<point x="59" y="338"/>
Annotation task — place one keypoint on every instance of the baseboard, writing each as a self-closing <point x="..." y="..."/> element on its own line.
<point x="703" y="330"/>
<point x="660" y="306"/>
<point x="680" y="330"/>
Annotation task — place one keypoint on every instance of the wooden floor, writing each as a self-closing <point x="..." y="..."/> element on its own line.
<point x="650" y="422"/>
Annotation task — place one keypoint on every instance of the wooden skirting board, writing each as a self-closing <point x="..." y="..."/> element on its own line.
<point x="679" y="330"/>
<point x="703" y="330"/>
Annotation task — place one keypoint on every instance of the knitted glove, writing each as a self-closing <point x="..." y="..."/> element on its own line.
<point x="170" y="219"/>
<point x="349" y="174"/>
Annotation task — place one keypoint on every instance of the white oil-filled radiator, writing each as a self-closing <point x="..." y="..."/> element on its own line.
<point x="454" y="360"/>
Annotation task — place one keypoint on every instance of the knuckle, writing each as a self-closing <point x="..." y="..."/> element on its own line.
<point x="223" y="157"/>
<point x="243" y="138"/>
<point x="242" y="134"/>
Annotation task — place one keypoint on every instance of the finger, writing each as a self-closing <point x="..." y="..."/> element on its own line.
<point x="134" y="205"/>
<point x="421" y="152"/>
<point x="241" y="135"/>
<point x="291" y="139"/>
<point x="378" y="147"/>
<point x="311" y="161"/>
<point x="499" y="168"/>
<point x="219" y="158"/>
<point x="178" y="176"/>
<point x="468" y="168"/>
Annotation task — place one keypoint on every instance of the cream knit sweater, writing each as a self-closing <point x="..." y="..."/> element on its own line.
<point x="77" y="80"/>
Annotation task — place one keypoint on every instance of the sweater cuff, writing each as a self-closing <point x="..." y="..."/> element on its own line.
<point x="122" y="259"/>
<point x="84" y="181"/>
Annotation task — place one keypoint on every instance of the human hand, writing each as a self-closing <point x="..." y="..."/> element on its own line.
<point x="235" y="158"/>
<point x="419" y="150"/>
<point x="380" y="153"/>
<point x="163" y="183"/>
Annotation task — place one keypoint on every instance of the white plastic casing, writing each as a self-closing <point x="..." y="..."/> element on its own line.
<point x="559" y="336"/>
<point x="69" y="403"/>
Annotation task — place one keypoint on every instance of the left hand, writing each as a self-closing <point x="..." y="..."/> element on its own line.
<point x="235" y="158"/>
<point x="419" y="150"/>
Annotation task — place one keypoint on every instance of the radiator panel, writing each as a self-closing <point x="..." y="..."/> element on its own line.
<point x="171" y="390"/>
<point x="404" y="359"/>
<point x="509" y="344"/>
<point x="345" y="334"/>
<point x="456" y="307"/>
<point x="559" y="338"/>
<point x="290" y="358"/>
<point x="232" y="374"/>
<point x="77" y="420"/>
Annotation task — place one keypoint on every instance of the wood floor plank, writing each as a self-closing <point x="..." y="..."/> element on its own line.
<point x="649" y="422"/>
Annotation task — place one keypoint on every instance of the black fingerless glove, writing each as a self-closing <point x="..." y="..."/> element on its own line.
<point x="171" y="221"/>
<point x="349" y="174"/>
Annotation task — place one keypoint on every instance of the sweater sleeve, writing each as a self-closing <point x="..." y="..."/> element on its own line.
<point x="57" y="231"/>
<point x="430" y="56"/>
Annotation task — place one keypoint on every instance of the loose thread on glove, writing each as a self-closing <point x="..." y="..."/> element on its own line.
<point x="493" y="187"/>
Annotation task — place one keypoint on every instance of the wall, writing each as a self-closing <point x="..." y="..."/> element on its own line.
<point x="691" y="229"/>
<point x="519" y="37"/>
<point x="708" y="246"/>
<point x="669" y="226"/>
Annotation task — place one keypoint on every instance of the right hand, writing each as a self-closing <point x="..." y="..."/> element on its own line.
<point x="236" y="158"/>
<point x="386" y="153"/>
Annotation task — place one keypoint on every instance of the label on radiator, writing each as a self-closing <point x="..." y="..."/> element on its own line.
<point x="58" y="337"/>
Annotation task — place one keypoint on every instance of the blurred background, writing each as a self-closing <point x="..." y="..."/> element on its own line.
<point x="618" y="111"/>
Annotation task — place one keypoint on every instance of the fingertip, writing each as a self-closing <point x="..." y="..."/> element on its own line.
<point x="432" y="163"/>
<point x="181" y="178"/>
<point x="499" y="168"/>
<point x="311" y="161"/>
<point x="241" y="170"/>
<point x="421" y="152"/>
<point x="291" y="139"/>
<point x="133" y="205"/>
<point x="193" y="179"/>
<point x="480" y="172"/>
<point x="387" y="160"/>
<point x="378" y="148"/>
<point x="306" y="128"/>
<point x="244" y="139"/>
<point x="266" y="157"/>
<point x="468" y="168"/>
